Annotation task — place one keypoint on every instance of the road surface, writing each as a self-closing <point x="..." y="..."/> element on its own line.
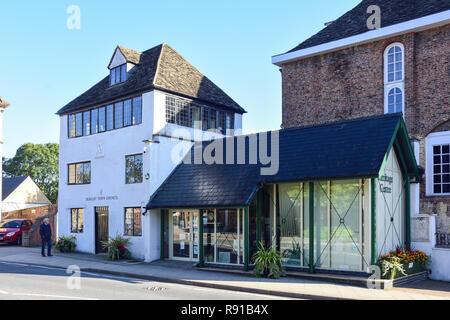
<point x="23" y="282"/>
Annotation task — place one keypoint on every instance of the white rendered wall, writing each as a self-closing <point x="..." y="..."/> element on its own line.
<point x="107" y="151"/>
<point x="440" y="264"/>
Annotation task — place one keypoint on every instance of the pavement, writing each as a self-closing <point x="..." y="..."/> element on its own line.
<point x="183" y="273"/>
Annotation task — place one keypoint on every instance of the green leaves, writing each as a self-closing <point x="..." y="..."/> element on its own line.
<point x="40" y="162"/>
<point x="268" y="261"/>
<point x="117" y="247"/>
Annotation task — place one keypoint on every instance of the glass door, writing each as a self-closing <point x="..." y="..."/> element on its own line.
<point x="184" y="234"/>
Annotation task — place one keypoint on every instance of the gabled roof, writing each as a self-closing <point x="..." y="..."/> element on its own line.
<point x="130" y="55"/>
<point x="346" y="149"/>
<point x="11" y="184"/>
<point x="160" y="68"/>
<point x="392" y="12"/>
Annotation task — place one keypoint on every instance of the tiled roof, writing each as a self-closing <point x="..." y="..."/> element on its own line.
<point x="392" y="12"/>
<point x="345" y="149"/>
<point x="130" y="55"/>
<point x="161" y="68"/>
<point x="11" y="184"/>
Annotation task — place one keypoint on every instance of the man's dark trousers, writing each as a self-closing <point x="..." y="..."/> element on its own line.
<point x="49" y="246"/>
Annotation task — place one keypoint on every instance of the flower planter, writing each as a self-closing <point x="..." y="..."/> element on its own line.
<point x="410" y="268"/>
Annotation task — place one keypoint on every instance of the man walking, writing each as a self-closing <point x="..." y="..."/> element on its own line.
<point x="46" y="235"/>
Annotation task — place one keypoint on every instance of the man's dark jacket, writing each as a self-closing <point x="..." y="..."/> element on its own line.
<point x="45" y="231"/>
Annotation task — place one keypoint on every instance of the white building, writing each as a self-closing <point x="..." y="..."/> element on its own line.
<point x="116" y="143"/>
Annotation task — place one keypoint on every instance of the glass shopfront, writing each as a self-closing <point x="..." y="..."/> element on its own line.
<point x="223" y="238"/>
<point x="184" y="234"/>
<point x="341" y="234"/>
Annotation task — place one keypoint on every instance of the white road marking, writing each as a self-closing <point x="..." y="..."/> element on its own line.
<point x="4" y="292"/>
<point x="52" y="296"/>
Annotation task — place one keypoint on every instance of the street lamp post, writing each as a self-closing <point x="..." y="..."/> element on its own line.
<point x="3" y="106"/>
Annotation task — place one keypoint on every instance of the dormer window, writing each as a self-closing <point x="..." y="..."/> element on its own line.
<point x="118" y="74"/>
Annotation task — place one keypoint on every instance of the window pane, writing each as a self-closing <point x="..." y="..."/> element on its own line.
<point x="229" y="121"/>
<point x="71" y="126"/>
<point x="221" y="123"/>
<point x="183" y="113"/>
<point x="79" y="173"/>
<point x="127" y="113"/>
<point x="212" y="119"/>
<point x="87" y="123"/>
<point x="437" y="188"/>
<point x="290" y="240"/>
<point x="137" y="110"/>
<point x="112" y="77"/>
<point x="137" y="222"/>
<point x="446" y="148"/>
<point x="138" y="166"/>
<point x="128" y="222"/>
<point x="205" y="118"/>
<point x="73" y="222"/>
<point x="80" y="220"/>
<point x="129" y="163"/>
<point x="446" y="188"/>
<point x="226" y="236"/>
<point x="87" y="172"/>
<point x="79" y="124"/>
<point x="71" y="169"/>
<point x="196" y="117"/>
<point x="101" y="119"/>
<point x="110" y="117"/>
<point x="94" y="121"/>
<point x="436" y="149"/>
<point x="118" y="114"/>
<point x="171" y="110"/>
<point x="117" y="74"/>
<point x="123" y="72"/>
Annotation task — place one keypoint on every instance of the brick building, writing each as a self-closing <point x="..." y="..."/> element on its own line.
<point x="354" y="67"/>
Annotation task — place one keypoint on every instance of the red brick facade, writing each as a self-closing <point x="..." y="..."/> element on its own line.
<point x="350" y="83"/>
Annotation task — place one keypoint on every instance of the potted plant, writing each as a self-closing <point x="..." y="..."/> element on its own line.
<point x="66" y="244"/>
<point x="117" y="248"/>
<point x="267" y="262"/>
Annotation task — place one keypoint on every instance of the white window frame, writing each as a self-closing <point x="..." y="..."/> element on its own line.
<point x="388" y="86"/>
<point x="436" y="138"/>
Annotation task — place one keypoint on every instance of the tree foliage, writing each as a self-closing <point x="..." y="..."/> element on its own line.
<point x="40" y="162"/>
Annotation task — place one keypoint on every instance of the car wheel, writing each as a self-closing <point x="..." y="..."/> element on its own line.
<point x="19" y="240"/>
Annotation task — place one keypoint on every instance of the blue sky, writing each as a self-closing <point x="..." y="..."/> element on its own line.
<point x="44" y="65"/>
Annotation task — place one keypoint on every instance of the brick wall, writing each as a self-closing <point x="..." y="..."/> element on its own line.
<point x="349" y="84"/>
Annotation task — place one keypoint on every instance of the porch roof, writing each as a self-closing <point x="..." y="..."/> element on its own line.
<point x="346" y="149"/>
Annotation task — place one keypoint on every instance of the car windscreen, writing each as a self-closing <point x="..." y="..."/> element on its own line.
<point x="10" y="224"/>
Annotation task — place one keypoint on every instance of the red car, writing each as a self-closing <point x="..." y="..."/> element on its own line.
<point x="11" y="230"/>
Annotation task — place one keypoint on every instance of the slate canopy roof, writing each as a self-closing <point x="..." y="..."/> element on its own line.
<point x="161" y="68"/>
<point x="347" y="149"/>
<point x="354" y="21"/>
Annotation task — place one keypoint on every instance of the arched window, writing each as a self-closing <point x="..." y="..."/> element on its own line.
<point x="394" y="77"/>
<point x="395" y="100"/>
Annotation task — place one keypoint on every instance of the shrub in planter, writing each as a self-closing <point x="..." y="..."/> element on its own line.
<point x="402" y="261"/>
<point x="267" y="262"/>
<point x="117" y="248"/>
<point x="66" y="244"/>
